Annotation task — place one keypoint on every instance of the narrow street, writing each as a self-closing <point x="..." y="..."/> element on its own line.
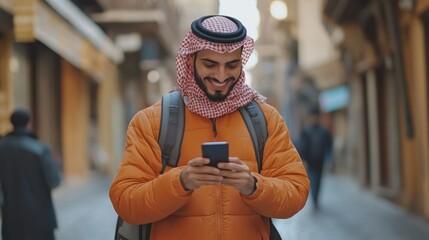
<point x="347" y="212"/>
<point x="83" y="70"/>
<point x="84" y="210"/>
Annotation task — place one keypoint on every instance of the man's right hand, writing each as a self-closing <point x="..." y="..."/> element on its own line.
<point x="197" y="174"/>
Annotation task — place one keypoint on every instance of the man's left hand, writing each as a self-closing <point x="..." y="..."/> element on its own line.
<point x="237" y="174"/>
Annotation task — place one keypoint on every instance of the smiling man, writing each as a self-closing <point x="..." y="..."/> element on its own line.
<point x="219" y="71"/>
<point x="235" y="199"/>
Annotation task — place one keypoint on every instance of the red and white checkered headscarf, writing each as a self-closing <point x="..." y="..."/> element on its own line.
<point x="193" y="96"/>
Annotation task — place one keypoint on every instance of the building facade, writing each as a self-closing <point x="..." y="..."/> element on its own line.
<point x="365" y="64"/>
<point x="60" y="65"/>
<point x="384" y="56"/>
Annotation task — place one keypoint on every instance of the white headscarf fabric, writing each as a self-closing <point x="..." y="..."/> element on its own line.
<point x="194" y="97"/>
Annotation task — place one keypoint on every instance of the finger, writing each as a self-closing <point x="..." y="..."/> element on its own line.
<point x="233" y="174"/>
<point x="193" y="179"/>
<point x="235" y="160"/>
<point x="208" y="178"/>
<point x="234" y="167"/>
<point x="204" y="170"/>
<point x="198" y="162"/>
<point x="201" y="180"/>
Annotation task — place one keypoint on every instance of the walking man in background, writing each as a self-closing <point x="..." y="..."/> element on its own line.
<point x="232" y="200"/>
<point x="27" y="175"/>
<point x="314" y="146"/>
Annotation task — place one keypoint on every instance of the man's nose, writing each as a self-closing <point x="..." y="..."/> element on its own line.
<point x="222" y="74"/>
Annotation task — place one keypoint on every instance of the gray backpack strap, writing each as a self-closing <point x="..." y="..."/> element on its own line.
<point x="257" y="126"/>
<point x="126" y="231"/>
<point x="171" y="128"/>
<point x="170" y="140"/>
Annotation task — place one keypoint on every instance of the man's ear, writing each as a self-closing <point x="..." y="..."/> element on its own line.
<point x="191" y="59"/>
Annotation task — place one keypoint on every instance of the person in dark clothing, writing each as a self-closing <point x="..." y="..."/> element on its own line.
<point x="314" y="145"/>
<point x="27" y="175"/>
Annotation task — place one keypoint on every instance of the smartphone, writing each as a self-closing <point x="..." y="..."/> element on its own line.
<point x="216" y="152"/>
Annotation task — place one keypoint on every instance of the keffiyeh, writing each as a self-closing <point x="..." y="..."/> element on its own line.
<point x="193" y="96"/>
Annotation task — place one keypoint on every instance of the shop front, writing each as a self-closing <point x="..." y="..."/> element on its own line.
<point x="69" y="55"/>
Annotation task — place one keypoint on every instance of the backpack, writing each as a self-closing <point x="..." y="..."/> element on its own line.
<point x="170" y="140"/>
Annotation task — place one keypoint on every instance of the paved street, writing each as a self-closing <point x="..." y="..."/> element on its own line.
<point x="84" y="210"/>
<point x="347" y="213"/>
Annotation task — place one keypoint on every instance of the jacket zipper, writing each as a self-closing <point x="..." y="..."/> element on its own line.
<point x="219" y="215"/>
<point x="218" y="188"/>
<point x="214" y="128"/>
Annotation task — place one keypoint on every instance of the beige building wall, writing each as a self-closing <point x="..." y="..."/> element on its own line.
<point x="269" y="75"/>
<point x="5" y="79"/>
<point x="416" y="151"/>
<point x="315" y="46"/>
<point x="111" y="134"/>
<point x="6" y="39"/>
<point x="75" y="112"/>
<point x="192" y="9"/>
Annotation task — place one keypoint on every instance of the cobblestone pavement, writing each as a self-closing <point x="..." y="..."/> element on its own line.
<point x="347" y="212"/>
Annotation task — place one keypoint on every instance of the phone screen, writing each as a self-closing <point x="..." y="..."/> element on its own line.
<point x="216" y="152"/>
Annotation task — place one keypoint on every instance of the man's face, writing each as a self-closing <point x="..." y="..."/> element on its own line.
<point x="216" y="73"/>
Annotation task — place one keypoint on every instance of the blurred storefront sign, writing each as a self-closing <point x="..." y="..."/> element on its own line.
<point x="150" y="57"/>
<point x="86" y="49"/>
<point x="335" y="98"/>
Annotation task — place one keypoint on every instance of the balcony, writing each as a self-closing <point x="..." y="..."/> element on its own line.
<point x="153" y="19"/>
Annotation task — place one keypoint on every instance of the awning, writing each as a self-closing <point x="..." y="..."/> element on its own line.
<point x="341" y="11"/>
<point x="152" y="22"/>
<point x="68" y="32"/>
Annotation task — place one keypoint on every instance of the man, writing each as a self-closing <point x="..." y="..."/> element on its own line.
<point x="27" y="176"/>
<point x="315" y="145"/>
<point x="193" y="200"/>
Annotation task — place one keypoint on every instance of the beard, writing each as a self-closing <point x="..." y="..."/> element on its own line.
<point x="217" y="96"/>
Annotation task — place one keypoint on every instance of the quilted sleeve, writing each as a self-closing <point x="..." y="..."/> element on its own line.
<point x="139" y="194"/>
<point x="283" y="185"/>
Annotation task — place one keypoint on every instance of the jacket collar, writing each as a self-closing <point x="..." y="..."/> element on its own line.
<point x="22" y="132"/>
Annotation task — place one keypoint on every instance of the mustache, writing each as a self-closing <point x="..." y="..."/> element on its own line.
<point x="229" y="79"/>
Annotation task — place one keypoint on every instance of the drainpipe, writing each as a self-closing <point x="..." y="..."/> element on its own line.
<point x="400" y="79"/>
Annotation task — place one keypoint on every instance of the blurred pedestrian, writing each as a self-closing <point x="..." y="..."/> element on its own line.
<point x="315" y="145"/>
<point x="1" y="200"/>
<point x="27" y="175"/>
<point x="232" y="200"/>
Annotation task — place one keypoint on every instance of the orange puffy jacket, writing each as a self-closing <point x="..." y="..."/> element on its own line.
<point x="141" y="195"/>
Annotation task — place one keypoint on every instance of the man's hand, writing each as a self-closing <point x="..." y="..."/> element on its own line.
<point x="196" y="174"/>
<point x="237" y="174"/>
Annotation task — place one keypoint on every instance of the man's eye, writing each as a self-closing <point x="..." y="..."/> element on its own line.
<point x="232" y="65"/>
<point x="209" y="65"/>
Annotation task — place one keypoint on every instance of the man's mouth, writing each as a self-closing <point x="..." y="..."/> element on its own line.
<point x="217" y="84"/>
